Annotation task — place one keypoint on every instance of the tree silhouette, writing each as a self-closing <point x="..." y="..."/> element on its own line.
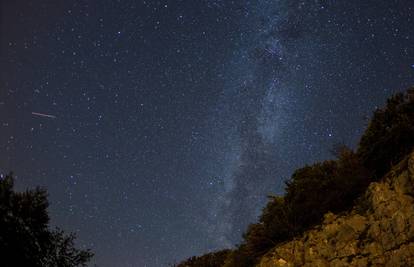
<point x="25" y="237"/>
<point x="390" y="134"/>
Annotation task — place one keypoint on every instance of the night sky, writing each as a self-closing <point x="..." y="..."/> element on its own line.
<point x="169" y="122"/>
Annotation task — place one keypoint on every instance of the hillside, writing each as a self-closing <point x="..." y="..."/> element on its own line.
<point x="370" y="190"/>
<point x="380" y="233"/>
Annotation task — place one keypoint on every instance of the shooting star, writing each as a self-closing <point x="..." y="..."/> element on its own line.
<point x="43" y="115"/>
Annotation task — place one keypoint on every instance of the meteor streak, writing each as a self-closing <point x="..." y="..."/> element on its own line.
<point x="43" y="115"/>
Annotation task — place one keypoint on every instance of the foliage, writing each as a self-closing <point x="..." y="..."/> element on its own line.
<point x="240" y="257"/>
<point x="273" y="227"/>
<point x="25" y="238"/>
<point x="333" y="185"/>
<point x="312" y="191"/>
<point x="390" y="134"/>
<point x="213" y="259"/>
<point x="328" y="186"/>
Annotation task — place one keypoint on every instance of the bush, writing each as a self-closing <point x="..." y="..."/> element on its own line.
<point x="328" y="186"/>
<point x="312" y="191"/>
<point x="273" y="227"/>
<point x="240" y="257"/>
<point x="389" y="136"/>
<point x="213" y="259"/>
<point x="276" y="220"/>
<point x="308" y="193"/>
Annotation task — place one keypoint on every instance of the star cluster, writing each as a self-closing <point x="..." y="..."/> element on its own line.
<point x="170" y="121"/>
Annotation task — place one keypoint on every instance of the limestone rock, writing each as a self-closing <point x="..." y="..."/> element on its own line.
<point x="382" y="236"/>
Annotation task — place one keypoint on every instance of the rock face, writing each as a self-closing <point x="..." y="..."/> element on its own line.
<point x="379" y="234"/>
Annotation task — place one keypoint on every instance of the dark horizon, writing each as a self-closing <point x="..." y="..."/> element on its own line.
<point x="159" y="127"/>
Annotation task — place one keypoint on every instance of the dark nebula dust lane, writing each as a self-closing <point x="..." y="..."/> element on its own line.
<point x="160" y="127"/>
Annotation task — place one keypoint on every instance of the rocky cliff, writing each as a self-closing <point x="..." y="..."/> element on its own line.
<point x="378" y="232"/>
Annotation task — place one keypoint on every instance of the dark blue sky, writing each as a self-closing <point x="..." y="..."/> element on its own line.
<point x="175" y="119"/>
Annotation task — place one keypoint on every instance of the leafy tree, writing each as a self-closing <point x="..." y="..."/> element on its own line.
<point x="240" y="257"/>
<point x="275" y="219"/>
<point x="332" y="185"/>
<point x="390" y="134"/>
<point x="307" y="193"/>
<point x="25" y="238"/>
<point x="213" y="259"/>
<point x="273" y="227"/>
<point x="352" y="178"/>
<point x="312" y="191"/>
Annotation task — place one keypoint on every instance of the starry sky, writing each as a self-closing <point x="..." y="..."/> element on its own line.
<point x="159" y="127"/>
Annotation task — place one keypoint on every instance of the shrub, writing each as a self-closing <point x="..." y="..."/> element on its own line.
<point x="389" y="136"/>
<point x="240" y="257"/>
<point x="328" y="186"/>
<point x="213" y="259"/>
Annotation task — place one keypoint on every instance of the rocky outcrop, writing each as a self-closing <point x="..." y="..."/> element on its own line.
<point x="378" y="232"/>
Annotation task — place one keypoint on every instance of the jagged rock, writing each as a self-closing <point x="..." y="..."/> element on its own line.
<point x="329" y="218"/>
<point x="381" y="236"/>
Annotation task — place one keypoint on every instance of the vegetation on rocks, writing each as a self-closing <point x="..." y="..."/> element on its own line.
<point x="381" y="235"/>
<point x="329" y="186"/>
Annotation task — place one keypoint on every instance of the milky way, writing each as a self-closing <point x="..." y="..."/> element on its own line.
<point x="174" y="120"/>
